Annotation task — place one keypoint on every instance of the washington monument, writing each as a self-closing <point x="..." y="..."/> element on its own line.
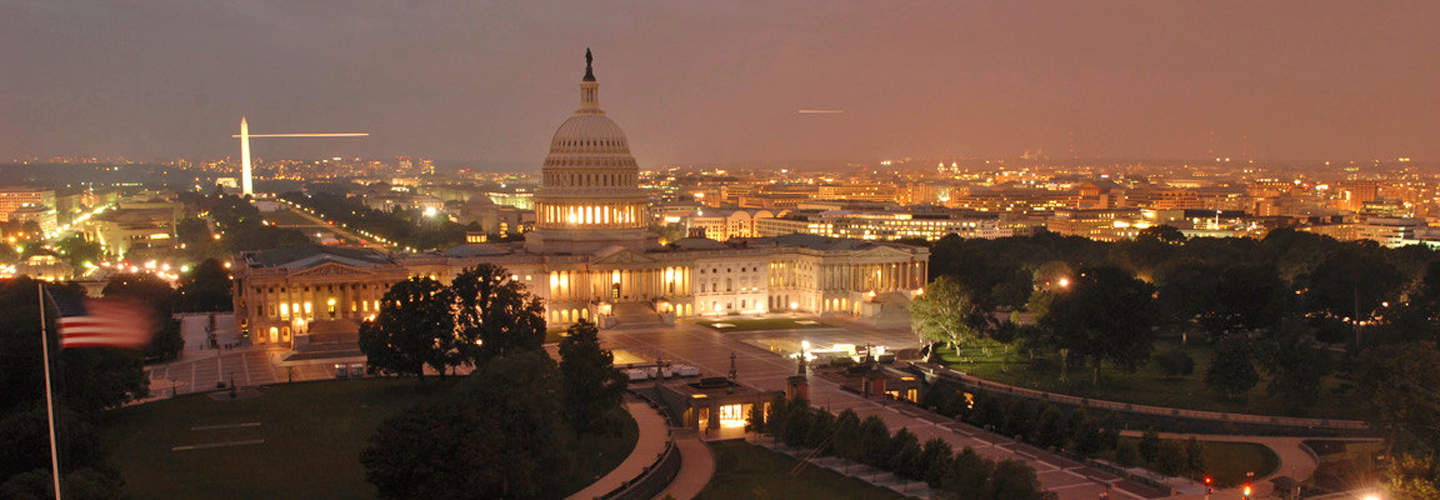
<point x="247" y="185"/>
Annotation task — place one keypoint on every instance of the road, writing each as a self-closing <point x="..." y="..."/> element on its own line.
<point x="290" y="216"/>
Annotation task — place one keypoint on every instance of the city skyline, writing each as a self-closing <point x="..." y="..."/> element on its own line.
<point x="1145" y="81"/>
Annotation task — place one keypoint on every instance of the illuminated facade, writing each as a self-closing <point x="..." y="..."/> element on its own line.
<point x="590" y="257"/>
<point x="280" y="294"/>
<point x="590" y="196"/>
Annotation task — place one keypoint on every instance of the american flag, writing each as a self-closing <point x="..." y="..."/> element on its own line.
<point x="103" y="323"/>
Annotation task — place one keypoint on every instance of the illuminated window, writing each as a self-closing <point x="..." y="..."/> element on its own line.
<point x="732" y="416"/>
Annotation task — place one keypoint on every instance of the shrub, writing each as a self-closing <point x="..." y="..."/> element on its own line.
<point x="1175" y="363"/>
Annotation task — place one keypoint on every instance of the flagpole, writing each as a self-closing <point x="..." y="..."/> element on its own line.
<point x="49" y="400"/>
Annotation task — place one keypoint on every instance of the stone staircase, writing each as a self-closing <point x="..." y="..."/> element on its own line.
<point x="636" y="313"/>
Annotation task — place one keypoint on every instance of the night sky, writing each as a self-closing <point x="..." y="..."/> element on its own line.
<point x="704" y="81"/>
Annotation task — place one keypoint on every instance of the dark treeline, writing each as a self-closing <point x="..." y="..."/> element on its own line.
<point x="965" y="474"/>
<point x="1291" y="311"/>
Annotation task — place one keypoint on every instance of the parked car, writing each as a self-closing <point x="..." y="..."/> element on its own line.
<point x="341" y="371"/>
<point x="357" y="370"/>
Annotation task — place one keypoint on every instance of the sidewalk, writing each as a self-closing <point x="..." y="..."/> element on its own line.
<point x="697" y="465"/>
<point x="654" y="432"/>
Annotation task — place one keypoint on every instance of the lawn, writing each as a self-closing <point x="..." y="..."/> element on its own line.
<point x="313" y="434"/>
<point x="1228" y="462"/>
<point x="1148" y="385"/>
<point x="1346" y="467"/>
<point x="756" y="325"/>
<point x="744" y="470"/>
<point x="555" y="335"/>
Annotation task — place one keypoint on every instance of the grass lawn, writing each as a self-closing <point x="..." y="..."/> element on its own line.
<point x="1228" y="462"/>
<point x="755" y="325"/>
<point x="1351" y="466"/>
<point x="555" y="335"/>
<point x="313" y="434"/>
<point x="1147" y="386"/>
<point x="744" y="470"/>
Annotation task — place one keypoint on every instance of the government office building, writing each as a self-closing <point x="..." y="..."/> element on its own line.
<point x="589" y="257"/>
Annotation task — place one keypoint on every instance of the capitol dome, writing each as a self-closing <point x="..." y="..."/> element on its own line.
<point x="589" y="197"/>
<point x="589" y="140"/>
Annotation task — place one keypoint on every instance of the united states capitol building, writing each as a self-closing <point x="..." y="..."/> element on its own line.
<point x="590" y="257"/>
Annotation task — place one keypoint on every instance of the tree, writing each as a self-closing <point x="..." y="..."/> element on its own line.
<point x="1194" y="455"/>
<point x="755" y="422"/>
<point x="1352" y="283"/>
<point x="797" y="424"/>
<point x="1104" y="316"/>
<point x="1013" y="480"/>
<point x="905" y="455"/>
<point x="1295" y="367"/>
<point x="1085" y="439"/>
<point x="1232" y="372"/>
<point x="1149" y="446"/>
<point x="968" y="475"/>
<point x="413" y="329"/>
<point x="1051" y="430"/>
<point x="437" y="451"/>
<point x="1412" y="477"/>
<point x="206" y="288"/>
<point x="157" y="294"/>
<point x="821" y="431"/>
<point x="1019" y="418"/>
<point x="1110" y="430"/>
<point x="593" y="387"/>
<point x="938" y="457"/>
<point x="494" y="314"/>
<point x="947" y="313"/>
<point x="1175" y="363"/>
<point x="1126" y="453"/>
<point x="1400" y="380"/>
<point x="522" y="391"/>
<point x="82" y="484"/>
<point x="87" y="379"/>
<point x="775" y="417"/>
<point x="874" y="442"/>
<point x="847" y="435"/>
<point x="25" y="437"/>
<point x="77" y="251"/>
<point x="1165" y="233"/>
<point x="1171" y="460"/>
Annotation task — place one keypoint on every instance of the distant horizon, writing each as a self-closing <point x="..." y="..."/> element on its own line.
<point x="494" y="166"/>
<point x="159" y="78"/>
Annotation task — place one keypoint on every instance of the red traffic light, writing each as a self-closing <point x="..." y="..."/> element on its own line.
<point x="1209" y="480"/>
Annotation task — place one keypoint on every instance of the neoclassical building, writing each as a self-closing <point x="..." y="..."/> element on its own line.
<point x="591" y="256"/>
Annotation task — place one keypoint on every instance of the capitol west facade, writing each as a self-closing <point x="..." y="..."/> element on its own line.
<point x="591" y="257"/>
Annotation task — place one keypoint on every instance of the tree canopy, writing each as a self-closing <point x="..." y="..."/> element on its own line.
<point x="593" y="387"/>
<point x="415" y="328"/>
<point x="1104" y="316"/>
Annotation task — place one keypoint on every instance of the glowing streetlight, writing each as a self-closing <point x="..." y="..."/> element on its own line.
<point x="1064" y="282"/>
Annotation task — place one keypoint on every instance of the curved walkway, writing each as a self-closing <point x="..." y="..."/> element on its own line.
<point x="697" y="465"/>
<point x="936" y="370"/>
<point x="654" y="432"/>
<point x="1296" y="462"/>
